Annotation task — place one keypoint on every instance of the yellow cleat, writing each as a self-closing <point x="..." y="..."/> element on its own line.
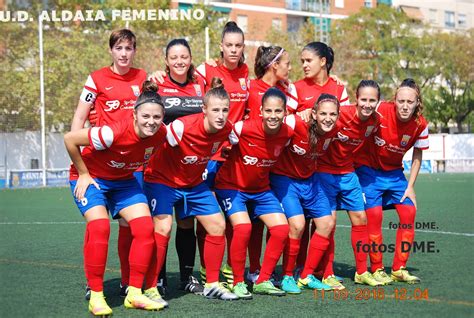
<point x="98" y="306"/>
<point x="136" y="300"/>
<point x="333" y="282"/>
<point x="366" y="279"/>
<point x="402" y="275"/>
<point x="153" y="294"/>
<point x="382" y="277"/>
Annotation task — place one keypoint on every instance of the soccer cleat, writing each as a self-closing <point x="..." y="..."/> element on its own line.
<point x="288" y="284"/>
<point x="276" y="280"/>
<point x="252" y="277"/>
<point x="136" y="300"/>
<point x="123" y="290"/>
<point x="241" y="290"/>
<point x="97" y="304"/>
<point x="202" y="272"/>
<point x="333" y="282"/>
<point x="192" y="285"/>
<point x="153" y="294"/>
<point x="88" y="293"/>
<point x="402" y="275"/>
<point x="366" y="279"/>
<point x="319" y="275"/>
<point x="226" y="271"/>
<point x="267" y="288"/>
<point x="311" y="282"/>
<point x="382" y="277"/>
<point x="218" y="291"/>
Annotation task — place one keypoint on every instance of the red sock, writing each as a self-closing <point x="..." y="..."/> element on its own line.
<point x="141" y="249"/>
<point x="273" y="250"/>
<point x="214" y="247"/>
<point x="359" y="234"/>
<point x="327" y="262"/>
<point x="95" y="256"/>
<point x="229" y="232"/>
<point x="405" y="234"/>
<point x="255" y="246"/>
<point x="161" y="243"/>
<point x="317" y="248"/>
<point x="201" y="237"/>
<point x="86" y="239"/>
<point x="151" y="277"/>
<point x="238" y="250"/>
<point x="290" y="253"/>
<point x="124" y="243"/>
<point x="374" y="227"/>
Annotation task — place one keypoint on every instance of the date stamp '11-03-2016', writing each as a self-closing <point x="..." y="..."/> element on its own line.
<point x="375" y="294"/>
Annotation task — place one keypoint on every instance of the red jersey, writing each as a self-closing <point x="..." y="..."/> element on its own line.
<point x="115" y="150"/>
<point x="182" y="161"/>
<point x="112" y="95"/>
<point x="298" y="160"/>
<point x="393" y="139"/>
<point x="257" y="89"/>
<point x="308" y="92"/>
<point x="351" y="134"/>
<point x="181" y="99"/>
<point x="235" y="83"/>
<point x="253" y="155"/>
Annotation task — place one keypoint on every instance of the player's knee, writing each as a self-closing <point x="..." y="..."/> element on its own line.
<point x="296" y="229"/>
<point x="280" y="231"/>
<point x="142" y="227"/>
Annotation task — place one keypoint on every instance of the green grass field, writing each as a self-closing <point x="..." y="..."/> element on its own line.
<point x="41" y="272"/>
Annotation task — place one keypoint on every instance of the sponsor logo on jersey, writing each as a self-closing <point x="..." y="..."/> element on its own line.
<point x="298" y="150"/>
<point x="197" y="88"/>
<point x="148" y="153"/>
<point x="369" y="130"/>
<point x="379" y="141"/>
<point x="326" y="143"/>
<point x="170" y="90"/>
<point x="115" y="164"/>
<point x="136" y="90"/>
<point x="112" y="104"/>
<point x="342" y="137"/>
<point x="189" y="160"/>
<point x="308" y="98"/>
<point x="248" y="160"/>
<point x="123" y="153"/>
<point x="243" y="84"/>
<point x="405" y="140"/>
<point x="215" y="147"/>
<point x="109" y="88"/>
<point x="261" y="93"/>
<point x="172" y="102"/>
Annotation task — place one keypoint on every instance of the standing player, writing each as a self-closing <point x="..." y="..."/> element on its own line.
<point x="338" y="179"/>
<point x="317" y="60"/>
<point x="402" y="126"/>
<point x="174" y="179"/>
<point x="109" y="95"/>
<point x="102" y="179"/>
<point x="182" y="92"/>
<point x="242" y="184"/>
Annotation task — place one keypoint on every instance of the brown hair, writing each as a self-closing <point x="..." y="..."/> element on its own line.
<point x="232" y="27"/>
<point x="149" y="95"/>
<point x="313" y="126"/>
<point x="190" y="77"/>
<point x="409" y="82"/>
<point x="122" y="35"/>
<point x="265" y="58"/>
<point x="217" y="90"/>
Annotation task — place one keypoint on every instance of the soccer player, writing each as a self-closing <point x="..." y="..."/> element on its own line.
<point x="182" y="92"/>
<point x="242" y="184"/>
<point x="380" y="172"/>
<point x="109" y="95"/>
<point x="174" y="179"/>
<point x="317" y="60"/>
<point x="101" y="179"/>
<point x="338" y="179"/>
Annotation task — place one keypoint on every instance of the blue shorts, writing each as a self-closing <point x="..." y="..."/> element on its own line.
<point x="260" y="203"/>
<point x="187" y="202"/>
<point x="139" y="176"/>
<point x="209" y="175"/>
<point x="114" y="195"/>
<point x="300" y="196"/>
<point x="382" y="188"/>
<point x="343" y="191"/>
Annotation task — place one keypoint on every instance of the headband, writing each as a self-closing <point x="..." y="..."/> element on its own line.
<point x="275" y="58"/>
<point x="150" y="100"/>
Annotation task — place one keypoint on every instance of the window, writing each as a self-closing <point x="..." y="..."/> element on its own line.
<point x="449" y="19"/>
<point x="462" y="22"/>
<point x="433" y="16"/>
<point x="276" y="23"/>
<point x="242" y="22"/>
<point x="339" y="4"/>
<point x="368" y="3"/>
